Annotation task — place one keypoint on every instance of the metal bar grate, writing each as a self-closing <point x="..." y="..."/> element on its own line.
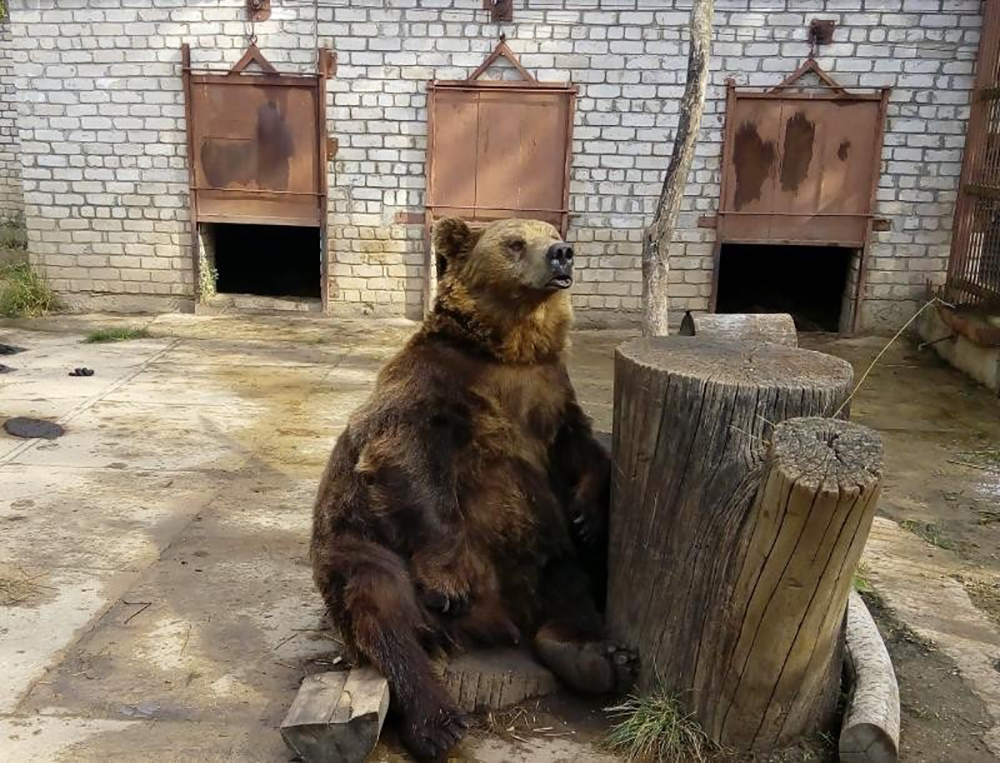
<point x="974" y="263"/>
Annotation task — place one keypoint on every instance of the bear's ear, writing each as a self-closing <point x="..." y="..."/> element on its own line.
<point x="453" y="238"/>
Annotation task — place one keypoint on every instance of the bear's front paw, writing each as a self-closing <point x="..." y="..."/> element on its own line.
<point x="433" y="728"/>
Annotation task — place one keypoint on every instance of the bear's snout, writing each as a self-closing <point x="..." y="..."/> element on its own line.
<point x="560" y="257"/>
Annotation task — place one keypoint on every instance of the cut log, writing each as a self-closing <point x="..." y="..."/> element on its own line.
<point x="337" y="716"/>
<point x="764" y="327"/>
<point x="733" y="541"/>
<point x="870" y="731"/>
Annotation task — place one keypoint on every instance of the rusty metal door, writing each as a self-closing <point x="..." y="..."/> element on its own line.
<point x="500" y="148"/>
<point x="499" y="151"/>
<point x="974" y="263"/>
<point x="801" y="166"/>
<point x="257" y="150"/>
<point x="255" y="143"/>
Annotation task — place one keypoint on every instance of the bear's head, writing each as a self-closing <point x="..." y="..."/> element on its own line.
<point x="509" y="278"/>
<point x="520" y="258"/>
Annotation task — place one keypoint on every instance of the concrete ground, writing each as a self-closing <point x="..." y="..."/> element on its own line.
<point x="155" y="596"/>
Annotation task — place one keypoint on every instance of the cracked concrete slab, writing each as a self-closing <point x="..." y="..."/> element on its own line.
<point x="55" y="607"/>
<point x="54" y="739"/>
<point x="113" y="519"/>
<point x="164" y="603"/>
<point x="917" y="582"/>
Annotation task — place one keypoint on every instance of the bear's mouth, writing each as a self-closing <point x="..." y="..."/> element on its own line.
<point x="561" y="282"/>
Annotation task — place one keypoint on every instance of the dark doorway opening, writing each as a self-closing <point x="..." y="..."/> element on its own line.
<point x="808" y="282"/>
<point x="266" y="260"/>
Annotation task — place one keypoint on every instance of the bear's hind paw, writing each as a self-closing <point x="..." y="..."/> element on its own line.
<point x="430" y="732"/>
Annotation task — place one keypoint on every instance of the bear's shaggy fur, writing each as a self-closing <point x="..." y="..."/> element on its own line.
<point x="466" y="500"/>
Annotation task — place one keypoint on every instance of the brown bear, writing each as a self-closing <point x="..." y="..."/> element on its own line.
<point x="466" y="501"/>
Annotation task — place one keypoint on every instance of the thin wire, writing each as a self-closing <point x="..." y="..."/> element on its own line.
<point x="933" y="301"/>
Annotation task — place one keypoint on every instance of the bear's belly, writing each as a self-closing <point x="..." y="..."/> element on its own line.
<point x="510" y="510"/>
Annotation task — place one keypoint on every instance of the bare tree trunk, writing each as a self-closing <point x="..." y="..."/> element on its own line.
<point x="656" y="242"/>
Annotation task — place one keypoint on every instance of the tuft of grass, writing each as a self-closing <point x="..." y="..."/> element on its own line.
<point x="14" y="233"/>
<point x="23" y="292"/>
<point x="124" y="334"/>
<point x="929" y="531"/>
<point x="986" y="457"/>
<point x="862" y="578"/>
<point x="657" y="728"/>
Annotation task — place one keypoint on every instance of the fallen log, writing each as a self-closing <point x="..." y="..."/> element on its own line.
<point x="754" y="327"/>
<point x="870" y="730"/>
<point x="734" y="536"/>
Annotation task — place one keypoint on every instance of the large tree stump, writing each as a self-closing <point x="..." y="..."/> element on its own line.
<point x="733" y="541"/>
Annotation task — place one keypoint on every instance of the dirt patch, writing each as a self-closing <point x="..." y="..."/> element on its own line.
<point x="940" y="718"/>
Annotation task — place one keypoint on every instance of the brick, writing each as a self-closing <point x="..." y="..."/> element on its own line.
<point x="102" y="145"/>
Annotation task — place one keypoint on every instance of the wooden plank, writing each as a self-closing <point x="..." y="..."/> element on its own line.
<point x="337" y="717"/>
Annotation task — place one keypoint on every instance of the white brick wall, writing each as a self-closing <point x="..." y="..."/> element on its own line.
<point x="11" y="201"/>
<point x="103" y="147"/>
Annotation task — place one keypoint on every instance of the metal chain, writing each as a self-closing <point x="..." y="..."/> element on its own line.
<point x="251" y="8"/>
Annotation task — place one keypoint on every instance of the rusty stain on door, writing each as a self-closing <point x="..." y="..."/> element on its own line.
<point x="797" y="151"/>
<point x="752" y="161"/>
<point x="262" y="162"/>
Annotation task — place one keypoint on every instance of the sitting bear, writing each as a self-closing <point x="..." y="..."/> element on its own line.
<point x="466" y="501"/>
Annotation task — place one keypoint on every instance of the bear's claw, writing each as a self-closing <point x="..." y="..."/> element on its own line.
<point x="583" y="529"/>
<point x="626" y="666"/>
<point x="446" y="604"/>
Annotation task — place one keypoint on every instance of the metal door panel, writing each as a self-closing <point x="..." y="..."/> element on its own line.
<point x="800" y="170"/>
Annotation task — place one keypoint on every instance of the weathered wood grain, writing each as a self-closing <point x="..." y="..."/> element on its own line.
<point x="720" y="592"/>
<point x="496" y="679"/>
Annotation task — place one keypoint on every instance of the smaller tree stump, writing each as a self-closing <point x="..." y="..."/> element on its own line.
<point x="870" y="731"/>
<point x="496" y="679"/>
<point x="763" y="327"/>
<point x="807" y="529"/>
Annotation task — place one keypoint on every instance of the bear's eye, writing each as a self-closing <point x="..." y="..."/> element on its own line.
<point x="517" y="245"/>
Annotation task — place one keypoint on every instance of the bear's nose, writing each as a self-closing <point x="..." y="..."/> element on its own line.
<point x="561" y="253"/>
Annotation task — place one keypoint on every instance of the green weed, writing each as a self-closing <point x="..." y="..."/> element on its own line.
<point x="23" y="292"/>
<point x="929" y="531"/>
<point x="657" y="728"/>
<point x="102" y="336"/>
